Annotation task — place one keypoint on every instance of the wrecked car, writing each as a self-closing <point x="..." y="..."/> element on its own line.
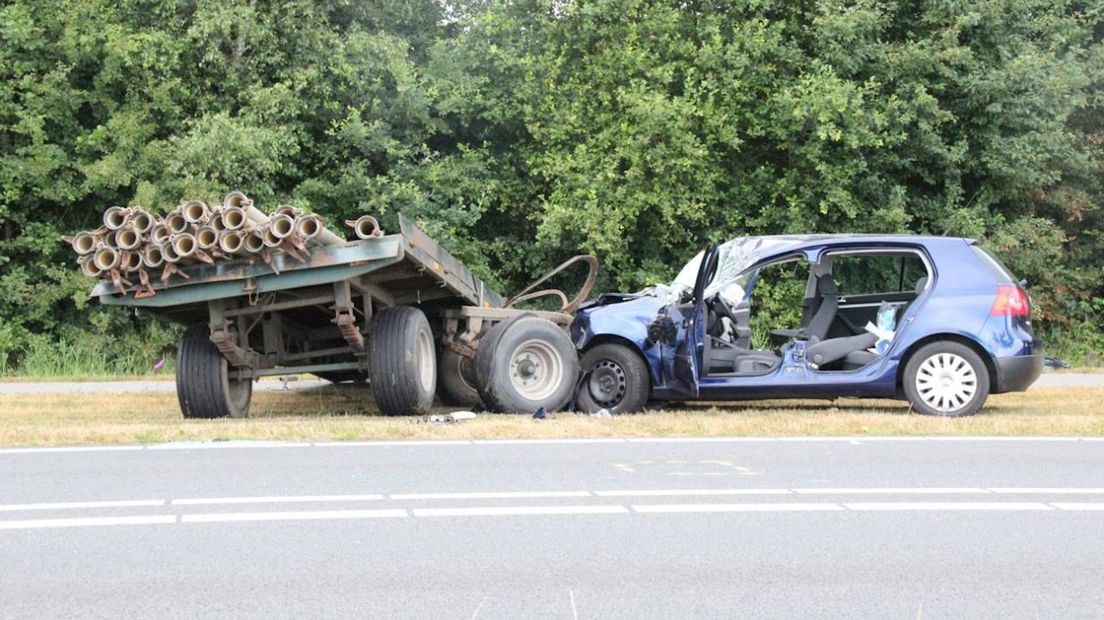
<point x="937" y="321"/>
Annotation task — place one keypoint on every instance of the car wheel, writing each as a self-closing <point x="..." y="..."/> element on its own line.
<point x="946" y="379"/>
<point x="614" y="378"/>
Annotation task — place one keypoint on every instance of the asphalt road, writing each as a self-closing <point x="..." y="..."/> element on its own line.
<point x="802" y="527"/>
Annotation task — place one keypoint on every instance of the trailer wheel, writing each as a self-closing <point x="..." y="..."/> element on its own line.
<point x="456" y="379"/>
<point x="203" y="383"/>
<point x="402" y="361"/>
<point x="525" y="365"/>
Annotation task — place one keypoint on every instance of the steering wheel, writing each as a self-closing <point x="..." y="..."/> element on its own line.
<point x="721" y="307"/>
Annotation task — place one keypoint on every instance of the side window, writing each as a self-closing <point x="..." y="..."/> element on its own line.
<point x="873" y="274"/>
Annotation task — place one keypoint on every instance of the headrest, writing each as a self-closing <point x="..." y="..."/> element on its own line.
<point x="920" y="284"/>
<point x="826" y="286"/>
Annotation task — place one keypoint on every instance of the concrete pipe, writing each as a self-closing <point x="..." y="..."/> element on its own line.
<point x="127" y="239"/>
<point x="365" y="227"/>
<point x="233" y="218"/>
<point x="253" y="243"/>
<point x="288" y="210"/>
<point x="115" y="217"/>
<point x="231" y="242"/>
<point x="280" y="227"/>
<point x="88" y="267"/>
<point x="152" y="257"/>
<point x="130" y="261"/>
<point x="313" y="230"/>
<point x="140" y="221"/>
<point x="159" y="234"/>
<point x="106" y="258"/>
<point x="84" y="243"/>
<point x="184" y="245"/>
<point x="168" y="254"/>
<point x="195" y="212"/>
<point x="176" y="223"/>
<point x="207" y="238"/>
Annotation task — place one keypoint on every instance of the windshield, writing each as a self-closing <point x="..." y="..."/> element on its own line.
<point x="733" y="258"/>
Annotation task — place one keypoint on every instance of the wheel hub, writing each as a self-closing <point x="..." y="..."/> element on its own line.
<point x="607" y="383"/>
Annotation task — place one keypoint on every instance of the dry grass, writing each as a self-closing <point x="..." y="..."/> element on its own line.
<point x="346" y="413"/>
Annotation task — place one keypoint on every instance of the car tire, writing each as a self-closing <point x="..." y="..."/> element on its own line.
<point x="456" y="380"/>
<point x="946" y="379"/>
<point x="526" y="365"/>
<point x="402" y="361"/>
<point x="614" y="378"/>
<point x="204" y="386"/>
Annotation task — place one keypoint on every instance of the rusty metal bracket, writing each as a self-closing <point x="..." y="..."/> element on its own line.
<point x="568" y="307"/>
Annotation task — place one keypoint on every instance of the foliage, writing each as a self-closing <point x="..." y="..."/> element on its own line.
<point x="522" y="132"/>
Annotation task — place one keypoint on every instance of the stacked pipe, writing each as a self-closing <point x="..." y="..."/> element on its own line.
<point x="133" y="243"/>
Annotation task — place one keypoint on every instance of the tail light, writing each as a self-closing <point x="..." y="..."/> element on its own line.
<point x="1011" y="301"/>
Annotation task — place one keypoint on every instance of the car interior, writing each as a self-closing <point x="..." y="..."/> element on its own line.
<point x="842" y="294"/>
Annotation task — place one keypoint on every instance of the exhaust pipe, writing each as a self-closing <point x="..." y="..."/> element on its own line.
<point x="115" y="217"/>
<point x="365" y="227"/>
<point x="88" y="267"/>
<point x="230" y="242"/>
<point x="207" y="238"/>
<point x="140" y="221"/>
<point x="195" y="212"/>
<point x="152" y="257"/>
<point x="176" y="223"/>
<point x="106" y="258"/>
<point x="84" y="243"/>
<point x="312" y="229"/>
<point x="127" y="239"/>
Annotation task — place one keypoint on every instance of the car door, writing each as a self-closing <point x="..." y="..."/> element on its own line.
<point x="682" y="352"/>
<point x="866" y="279"/>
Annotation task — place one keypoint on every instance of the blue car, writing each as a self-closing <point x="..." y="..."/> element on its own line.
<point x="938" y="321"/>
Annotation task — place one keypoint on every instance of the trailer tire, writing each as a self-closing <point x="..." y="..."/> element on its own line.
<point x="456" y="379"/>
<point x="203" y="384"/>
<point x="526" y="364"/>
<point x="402" y="362"/>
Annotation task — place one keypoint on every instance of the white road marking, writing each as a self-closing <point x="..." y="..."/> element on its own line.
<point x="921" y="506"/>
<point x="574" y="610"/>
<point x="306" y="515"/>
<point x="490" y="495"/>
<point x="680" y="492"/>
<point x="503" y="511"/>
<point x="506" y="442"/>
<point x="130" y="503"/>
<point x="779" y="507"/>
<point x="889" y="490"/>
<point x="279" y="499"/>
<point x="1055" y="490"/>
<point x="1078" y="505"/>
<point x="86" y="522"/>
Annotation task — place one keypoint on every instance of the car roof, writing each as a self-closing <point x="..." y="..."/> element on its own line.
<point x="780" y="244"/>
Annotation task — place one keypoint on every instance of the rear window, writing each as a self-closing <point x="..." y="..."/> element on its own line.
<point x="994" y="265"/>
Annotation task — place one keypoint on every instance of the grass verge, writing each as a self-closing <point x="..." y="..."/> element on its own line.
<point x="346" y="413"/>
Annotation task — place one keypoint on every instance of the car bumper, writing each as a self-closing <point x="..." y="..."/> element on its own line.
<point x="1015" y="374"/>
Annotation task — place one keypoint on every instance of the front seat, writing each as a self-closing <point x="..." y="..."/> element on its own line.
<point x="827" y="302"/>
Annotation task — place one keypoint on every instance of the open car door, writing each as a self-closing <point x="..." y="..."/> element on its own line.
<point x="683" y="326"/>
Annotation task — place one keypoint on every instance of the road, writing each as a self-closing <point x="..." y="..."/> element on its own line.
<point x="787" y="527"/>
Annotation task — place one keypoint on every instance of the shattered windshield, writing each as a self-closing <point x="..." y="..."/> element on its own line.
<point x="733" y="258"/>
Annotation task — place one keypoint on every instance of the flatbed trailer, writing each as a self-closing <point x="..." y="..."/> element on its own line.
<point x="398" y="311"/>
